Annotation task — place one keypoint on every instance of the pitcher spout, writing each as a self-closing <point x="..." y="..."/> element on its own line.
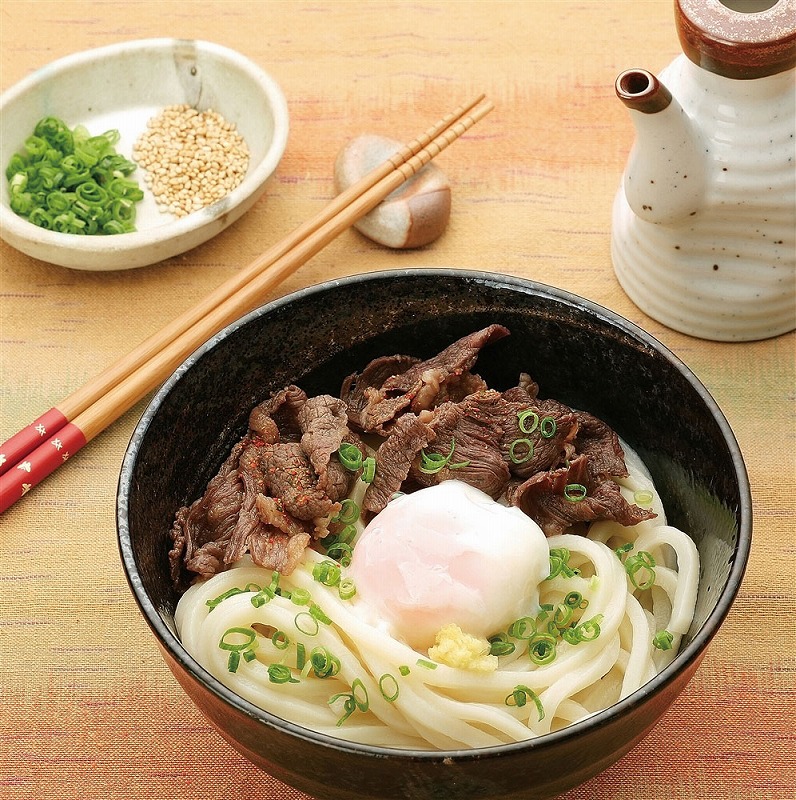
<point x="664" y="181"/>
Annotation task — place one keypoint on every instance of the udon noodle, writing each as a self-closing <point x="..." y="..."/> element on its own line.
<point x="301" y="649"/>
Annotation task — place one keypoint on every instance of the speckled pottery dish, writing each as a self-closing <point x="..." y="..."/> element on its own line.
<point x="580" y="353"/>
<point x="122" y="87"/>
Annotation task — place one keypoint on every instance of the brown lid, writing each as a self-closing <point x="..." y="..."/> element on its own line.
<point x="738" y="38"/>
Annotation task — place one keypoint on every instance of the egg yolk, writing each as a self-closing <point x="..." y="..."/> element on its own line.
<point x="448" y="554"/>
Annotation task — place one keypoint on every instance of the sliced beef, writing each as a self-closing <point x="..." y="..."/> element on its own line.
<point x="421" y="386"/>
<point x="207" y="521"/>
<point x="367" y="409"/>
<point x="394" y="458"/>
<point x="472" y="430"/>
<point x="598" y="441"/>
<point x="542" y="497"/>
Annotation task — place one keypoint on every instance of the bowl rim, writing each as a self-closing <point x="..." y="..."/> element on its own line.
<point x="691" y="653"/>
<point x="22" y="229"/>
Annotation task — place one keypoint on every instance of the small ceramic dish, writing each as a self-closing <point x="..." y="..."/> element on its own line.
<point x="122" y="87"/>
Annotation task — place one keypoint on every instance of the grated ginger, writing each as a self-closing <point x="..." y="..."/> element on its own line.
<point x="458" y="649"/>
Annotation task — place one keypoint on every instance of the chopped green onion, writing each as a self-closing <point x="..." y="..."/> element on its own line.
<point x="422" y="662"/>
<point x="643" y="497"/>
<point x="340" y="551"/>
<point x="524" y="416"/>
<point x="663" y="640"/>
<point x="349" y="512"/>
<point x="542" y="648"/>
<point x="237" y="648"/>
<point x="368" y="469"/>
<point x="350" y="456"/>
<point x="392" y="683"/>
<point x="250" y="587"/>
<point x="346" y="589"/>
<point x="623" y="550"/>
<point x="640" y="570"/>
<point x="280" y="673"/>
<point x="562" y="615"/>
<point x="574" y="599"/>
<point x="520" y="696"/>
<point x="499" y="645"/>
<point x="559" y="564"/>
<point x="575" y="492"/>
<point x="280" y="640"/>
<point x="317" y="613"/>
<point x="522" y="628"/>
<point x="300" y="597"/>
<point x="327" y="573"/>
<point x="324" y="664"/>
<point x="63" y="180"/>
<point x="306" y="623"/>
<point x="547" y="427"/>
<point x="360" y="693"/>
<point x="521" y="458"/>
<point x="301" y="656"/>
<point x="431" y="463"/>
<point x="404" y="670"/>
<point x="584" y="632"/>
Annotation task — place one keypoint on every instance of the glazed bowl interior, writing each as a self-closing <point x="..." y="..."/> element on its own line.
<point x="578" y="353"/>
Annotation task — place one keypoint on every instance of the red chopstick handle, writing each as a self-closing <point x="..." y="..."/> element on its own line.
<point x="38" y="464"/>
<point x="29" y="438"/>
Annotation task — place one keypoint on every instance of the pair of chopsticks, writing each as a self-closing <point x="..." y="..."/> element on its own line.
<point x="50" y="440"/>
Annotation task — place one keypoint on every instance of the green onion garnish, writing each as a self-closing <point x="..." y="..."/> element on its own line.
<point x="623" y="550"/>
<point x="526" y="451"/>
<point x="547" y="427"/>
<point x="236" y="648"/>
<point x="390" y="683"/>
<point x="301" y="656"/>
<point x="317" y="612"/>
<point x="520" y="696"/>
<point x="499" y="645"/>
<point x="327" y="573"/>
<point x="357" y="698"/>
<point x="346" y="588"/>
<point x="350" y="456"/>
<point x="663" y="640"/>
<point x="324" y="664"/>
<point x="67" y="181"/>
<point x="522" y="628"/>
<point x="300" y="597"/>
<point x="559" y="564"/>
<point x="527" y="420"/>
<point x="640" y="570"/>
<point x="306" y="623"/>
<point x="251" y="587"/>
<point x="542" y="648"/>
<point x="404" y="670"/>
<point x="431" y="463"/>
<point x="368" y="469"/>
<point x="574" y="492"/>
<point x="574" y="599"/>
<point x="349" y="512"/>
<point x="280" y="673"/>
<point x="642" y="497"/>
<point x="280" y="640"/>
<point x="422" y="662"/>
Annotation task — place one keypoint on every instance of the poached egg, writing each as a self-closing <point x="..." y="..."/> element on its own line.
<point x="448" y="554"/>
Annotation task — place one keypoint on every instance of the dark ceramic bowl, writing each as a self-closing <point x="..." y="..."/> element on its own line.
<point x="580" y="354"/>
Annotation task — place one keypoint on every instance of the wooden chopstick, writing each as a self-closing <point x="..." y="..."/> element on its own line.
<point x="89" y="410"/>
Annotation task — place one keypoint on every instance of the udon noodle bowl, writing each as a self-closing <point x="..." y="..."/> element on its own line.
<point x="427" y="562"/>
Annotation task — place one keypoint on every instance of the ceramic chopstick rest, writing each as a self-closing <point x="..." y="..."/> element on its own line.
<point x="415" y="214"/>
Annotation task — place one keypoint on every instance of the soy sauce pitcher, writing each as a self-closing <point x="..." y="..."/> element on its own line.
<point x="703" y="232"/>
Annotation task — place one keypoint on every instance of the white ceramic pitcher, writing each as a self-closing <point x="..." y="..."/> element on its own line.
<point x="704" y="225"/>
